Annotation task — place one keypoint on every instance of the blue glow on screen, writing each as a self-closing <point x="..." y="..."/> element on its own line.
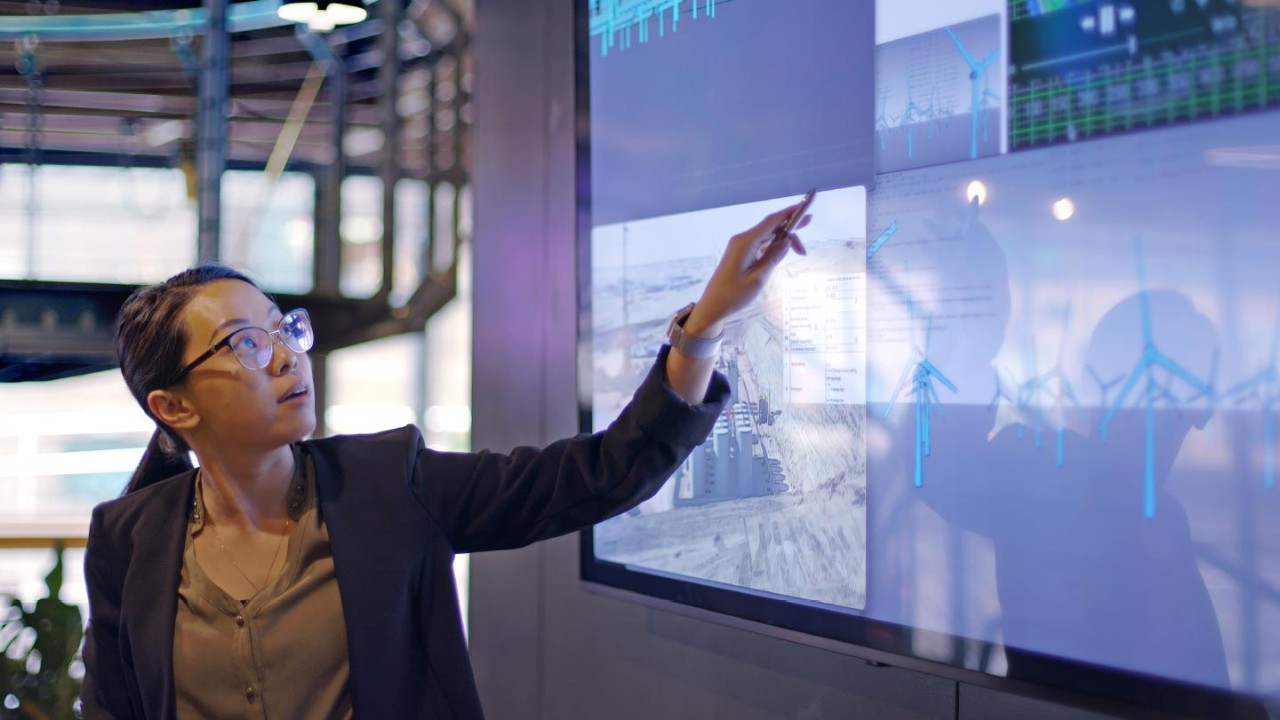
<point x="1071" y="346"/>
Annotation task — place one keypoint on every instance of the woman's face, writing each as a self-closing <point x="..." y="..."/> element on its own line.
<point x="238" y="407"/>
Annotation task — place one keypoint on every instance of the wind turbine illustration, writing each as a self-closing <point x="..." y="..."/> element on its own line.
<point x="882" y="239"/>
<point x="918" y="376"/>
<point x="882" y="120"/>
<point x="1104" y="386"/>
<point x="978" y="86"/>
<point x="1057" y="387"/>
<point x="612" y="20"/>
<point x="1154" y="390"/>
<point x="914" y="113"/>
<point x="1265" y="386"/>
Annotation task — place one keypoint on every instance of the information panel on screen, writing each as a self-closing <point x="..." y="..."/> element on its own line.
<point x="1015" y="412"/>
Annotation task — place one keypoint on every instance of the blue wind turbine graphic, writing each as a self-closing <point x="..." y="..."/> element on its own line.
<point x="1265" y="386"/>
<point x="978" y="86"/>
<point x="918" y="375"/>
<point x="612" y="20"/>
<point x="882" y="239"/>
<point x="883" y="123"/>
<point x="914" y="113"/>
<point x="1057" y="387"/>
<point x="1001" y="396"/>
<point x="1104" y="386"/>
<point x="1154" y="390"/>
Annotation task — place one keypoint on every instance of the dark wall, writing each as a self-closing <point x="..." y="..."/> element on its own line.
<point x="544" y="648"/>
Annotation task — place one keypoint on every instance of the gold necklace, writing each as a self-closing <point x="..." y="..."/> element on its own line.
<point x="279" y="544"/>
<point x="256" y="588"/>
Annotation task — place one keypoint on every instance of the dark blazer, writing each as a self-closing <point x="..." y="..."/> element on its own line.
<point x="396" y="513"/>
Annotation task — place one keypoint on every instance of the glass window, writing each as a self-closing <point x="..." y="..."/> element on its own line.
<point x="80" y="221"/>
<point x="269" y="229"/>
<point x="373" y="386"/>
<point x="411" y="235"/>
<point x="361" y="232"/>
<point x="447" y="419"/>
<point x="65" y="446"/>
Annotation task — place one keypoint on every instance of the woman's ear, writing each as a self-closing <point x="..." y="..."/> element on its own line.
<point x="172" y="409"/>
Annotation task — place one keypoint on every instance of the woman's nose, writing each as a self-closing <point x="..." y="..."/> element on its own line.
<point x="279" y="352"/>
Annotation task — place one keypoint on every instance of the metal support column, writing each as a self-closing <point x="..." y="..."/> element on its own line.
<point x="320" y="386"/>
<point x="328" y="238"/>
<point x="211" y="127"/>
<point x="391" y="12"/>
<point x="433" y="182"/>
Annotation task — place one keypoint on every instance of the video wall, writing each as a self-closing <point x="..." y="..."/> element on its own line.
<point x="1014" y="413"/>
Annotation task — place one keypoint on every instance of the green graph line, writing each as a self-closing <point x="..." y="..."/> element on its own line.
<point x="1159" y="91"/>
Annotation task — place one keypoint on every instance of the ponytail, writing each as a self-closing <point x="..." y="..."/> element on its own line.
<point x="164" y="457"/>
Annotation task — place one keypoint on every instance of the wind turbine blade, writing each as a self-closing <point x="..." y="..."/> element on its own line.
<point x="882" y="239"/>
<point x="1244" y="385"/>
<point x="973" y="64"/>
<point x="933" y="397"/>
<point x="1124" y="393"/>
<point x="1069" y="393"/>
<point x="1180" y="372"/>
<point x="933" y="371"/>
<point x="902" y="381"/>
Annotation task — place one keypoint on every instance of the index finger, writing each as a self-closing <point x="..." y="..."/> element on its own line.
<point x="772" y="220"/>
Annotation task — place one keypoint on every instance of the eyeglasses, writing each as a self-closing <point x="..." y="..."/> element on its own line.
<point x="252" y="346"/>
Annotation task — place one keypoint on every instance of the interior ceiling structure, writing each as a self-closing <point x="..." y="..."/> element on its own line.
<point x="138" y="97"/>
<point x="102" y="95"/>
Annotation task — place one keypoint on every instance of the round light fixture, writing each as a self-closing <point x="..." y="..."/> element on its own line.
<point x="977" y="190"/>
<point x="1064" y="208"/>
<point x="323" y="16"/>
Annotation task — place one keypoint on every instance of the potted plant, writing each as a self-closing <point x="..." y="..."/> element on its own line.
<point x="40" y="668"/>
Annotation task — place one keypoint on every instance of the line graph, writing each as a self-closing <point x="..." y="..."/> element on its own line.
<point x="1111" y="69"/>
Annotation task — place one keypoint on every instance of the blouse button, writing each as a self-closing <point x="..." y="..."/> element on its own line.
<point x="249" y="693"/>
<point x="240" y="623"/>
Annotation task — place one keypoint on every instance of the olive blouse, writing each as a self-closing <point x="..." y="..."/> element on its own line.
<point x="279" y="654"/>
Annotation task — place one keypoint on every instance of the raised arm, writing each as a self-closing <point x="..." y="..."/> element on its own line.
<point x="737" y="280"/>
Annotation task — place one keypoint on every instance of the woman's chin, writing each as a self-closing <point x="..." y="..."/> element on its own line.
<point x="304" y="431"/>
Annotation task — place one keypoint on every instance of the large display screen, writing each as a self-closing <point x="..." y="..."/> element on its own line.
<point x="1015" y="413"/>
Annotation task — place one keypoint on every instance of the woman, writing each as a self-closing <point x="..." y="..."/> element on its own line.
<point x="291" y="578"/>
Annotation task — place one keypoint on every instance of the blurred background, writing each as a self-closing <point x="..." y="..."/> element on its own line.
<point x="279" y="139"/>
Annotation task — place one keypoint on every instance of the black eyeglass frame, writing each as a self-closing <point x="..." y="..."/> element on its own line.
<point x="272" y="337"/>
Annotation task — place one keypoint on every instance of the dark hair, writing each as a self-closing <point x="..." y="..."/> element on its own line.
<point x="150" y="340"/>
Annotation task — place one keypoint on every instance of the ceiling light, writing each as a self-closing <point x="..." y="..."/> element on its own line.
<point x="323" y="16"/>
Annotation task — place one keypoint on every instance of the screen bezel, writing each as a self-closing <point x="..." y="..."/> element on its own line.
<point x="1082" y="685"/>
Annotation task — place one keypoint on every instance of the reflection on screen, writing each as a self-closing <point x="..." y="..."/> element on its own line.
<point x="1065" y="446"/>
<point x="1102" y="456"/>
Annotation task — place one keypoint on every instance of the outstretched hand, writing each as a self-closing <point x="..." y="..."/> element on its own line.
<point x="738" y="279"/>
<point x="743" y="272"/>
